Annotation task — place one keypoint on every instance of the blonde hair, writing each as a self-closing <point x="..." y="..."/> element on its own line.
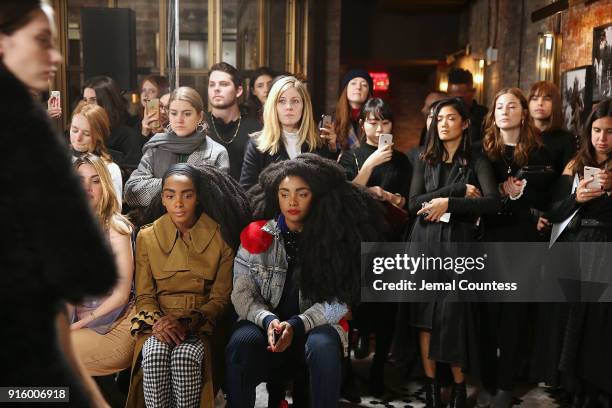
<point x="269" y="139"/>
<point x="99" y="128"/>
<point x="187" y="94"/>
<point x="107" y="210"/>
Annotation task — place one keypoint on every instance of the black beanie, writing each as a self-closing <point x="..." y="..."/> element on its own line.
<point x="357" y="73"/>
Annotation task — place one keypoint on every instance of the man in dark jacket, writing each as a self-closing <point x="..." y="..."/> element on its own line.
<point x="461" y="84"/>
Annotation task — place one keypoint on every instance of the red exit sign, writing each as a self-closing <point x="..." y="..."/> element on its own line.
<point x="381" y="81"/>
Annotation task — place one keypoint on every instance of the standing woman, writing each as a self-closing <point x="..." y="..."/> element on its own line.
<point x="386" y="173"/>
<point x="123" y="142"/>
<point x="511" y="142"/>
<point x="88" y="130"/>
<point x="101" y="325"/>
<point x="586" y="351"/>
<point x="260" y="84"/>
<point x="183" y="284"/>
<point x="294" y="276"/>
<point x="289" y="130"/>
<point x="43" y="261"/>
<point x="185" y="142"/>
<point x="449" y="178"/>
<point x="153" y="87"/>
<point x="357" y="86"/>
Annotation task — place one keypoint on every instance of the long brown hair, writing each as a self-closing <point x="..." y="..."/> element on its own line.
<point x="99" y="128"/>
<point x="342" y="119"/>
<point x="547" y="88"/>
<point x="528" y="138"/>
<point x="586" y="154"/>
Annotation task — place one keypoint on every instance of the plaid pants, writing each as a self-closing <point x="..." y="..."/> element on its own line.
<point x="172" y="375"/>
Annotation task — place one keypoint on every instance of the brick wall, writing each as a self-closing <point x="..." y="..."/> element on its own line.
<point x="517" y="38"/>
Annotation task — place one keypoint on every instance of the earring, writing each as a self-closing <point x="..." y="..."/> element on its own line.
<point x="201" y="127"/>
<point x="168" y="128"/>
<point x="522" y="122"/>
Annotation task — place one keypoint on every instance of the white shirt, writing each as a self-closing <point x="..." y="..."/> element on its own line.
<point x="292" y="144"/>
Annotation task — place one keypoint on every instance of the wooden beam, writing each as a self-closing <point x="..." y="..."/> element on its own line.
<point x="552" y="9"/>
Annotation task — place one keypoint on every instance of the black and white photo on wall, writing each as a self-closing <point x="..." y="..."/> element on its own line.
<point x="602" y="62"/>
<point x="576" y="89"/>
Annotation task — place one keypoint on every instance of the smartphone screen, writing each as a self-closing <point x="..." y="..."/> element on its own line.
<point x="153" y="107"/>
<point x="589" y="172"/>
<point x="385" y="139"/>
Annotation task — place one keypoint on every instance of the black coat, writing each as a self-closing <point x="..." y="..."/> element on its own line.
<point x="255" y="161"/>
<point x="52" y="250"/>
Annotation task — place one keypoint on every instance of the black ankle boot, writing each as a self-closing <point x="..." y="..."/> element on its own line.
<point x="432" y="393"/>
<point x="458" y="396"/>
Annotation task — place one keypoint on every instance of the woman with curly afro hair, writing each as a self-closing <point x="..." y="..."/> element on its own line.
<point x="295" y="274"/>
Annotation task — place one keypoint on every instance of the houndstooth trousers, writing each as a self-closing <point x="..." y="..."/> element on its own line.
<point x="172" y="374"/>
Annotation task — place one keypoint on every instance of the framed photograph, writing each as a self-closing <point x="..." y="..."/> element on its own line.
<point x="602" y="62"/>
<point x="576" y="92"/>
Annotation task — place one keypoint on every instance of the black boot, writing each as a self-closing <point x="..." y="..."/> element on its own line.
<point x="458" y="396"/>
<point x="432" y="393"/>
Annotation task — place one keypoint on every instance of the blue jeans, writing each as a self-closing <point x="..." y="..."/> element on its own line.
<point x="249" y="364"/>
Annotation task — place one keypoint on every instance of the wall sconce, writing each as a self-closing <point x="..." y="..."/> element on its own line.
<point x="479" y="79"/>
<point x="546" y="56"/>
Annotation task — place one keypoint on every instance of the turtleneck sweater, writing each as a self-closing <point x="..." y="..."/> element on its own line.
<point x="292" y="144"/>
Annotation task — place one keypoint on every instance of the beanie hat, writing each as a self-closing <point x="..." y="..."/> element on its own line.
<point x="357" y="73"/>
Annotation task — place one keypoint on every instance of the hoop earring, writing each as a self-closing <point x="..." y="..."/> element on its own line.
<point x="201" y="127"/>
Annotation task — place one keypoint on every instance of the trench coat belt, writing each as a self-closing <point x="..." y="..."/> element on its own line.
<point x="186" y="301"/>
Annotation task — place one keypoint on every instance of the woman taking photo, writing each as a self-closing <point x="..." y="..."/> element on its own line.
<point x="183" y="284"/>
<point x="101" y="325"/>
<point x="260" y="83"/>
<point x="289" y="130"/>
<point x="589" y="330"/>
<point x="386" y="173"/>
<point x="293" y="279"/>
<point x="186" y="142"/>
<point x="88" y="130"/>
<point x="451" y="187"/>
<point x="44" y="262"/>
<point x="357" y="86"/>
<point x="153" y="87"/>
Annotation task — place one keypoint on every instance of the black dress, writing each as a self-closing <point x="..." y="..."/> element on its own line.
<point x="452" y="324"/>
<point x="561" y="146"/>
<point x="586" y="345"/>
<point x="517" y="219"/>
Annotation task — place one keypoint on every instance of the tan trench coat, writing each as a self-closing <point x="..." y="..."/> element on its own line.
<point x="189" y="277"/>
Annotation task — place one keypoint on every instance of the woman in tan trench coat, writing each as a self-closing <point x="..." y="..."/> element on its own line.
<point x="183" y="284"/>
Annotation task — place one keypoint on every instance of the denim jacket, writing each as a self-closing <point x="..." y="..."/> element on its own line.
<point x="259" y="279"/>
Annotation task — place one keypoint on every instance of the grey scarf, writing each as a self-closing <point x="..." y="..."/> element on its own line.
<point x="176" y="144"/>
<point x="172" y="149"/>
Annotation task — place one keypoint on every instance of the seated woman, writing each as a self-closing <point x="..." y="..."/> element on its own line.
<point x="101" y="325"/>
<point x="186" y="142"/>
<point x="289" y="129"/>
<point x="294" y="275"/>
<point x="183" y="285"/>
<point x="89" y="129"/>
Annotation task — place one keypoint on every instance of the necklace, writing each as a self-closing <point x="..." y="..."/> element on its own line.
<point x="212" y="120"/>
<point x="508" y="163"/>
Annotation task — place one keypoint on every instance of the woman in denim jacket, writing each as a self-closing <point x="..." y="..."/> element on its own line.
<point x="294" y="275"/>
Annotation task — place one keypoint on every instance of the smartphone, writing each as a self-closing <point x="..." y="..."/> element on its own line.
<point x="385" y="139"/>
<point x="589" y="172"/>
<point x="55" y="99"/>
<point x="153" y="106"/>
<point x="326" y="121"/>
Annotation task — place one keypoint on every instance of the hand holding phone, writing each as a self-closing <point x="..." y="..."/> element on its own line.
<point x="152" y="112"/>
<point x="590" y="173"/>
<point x="326" y="121"/>
<point x="384" y="140"/>
<point x="55" y="99"/>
